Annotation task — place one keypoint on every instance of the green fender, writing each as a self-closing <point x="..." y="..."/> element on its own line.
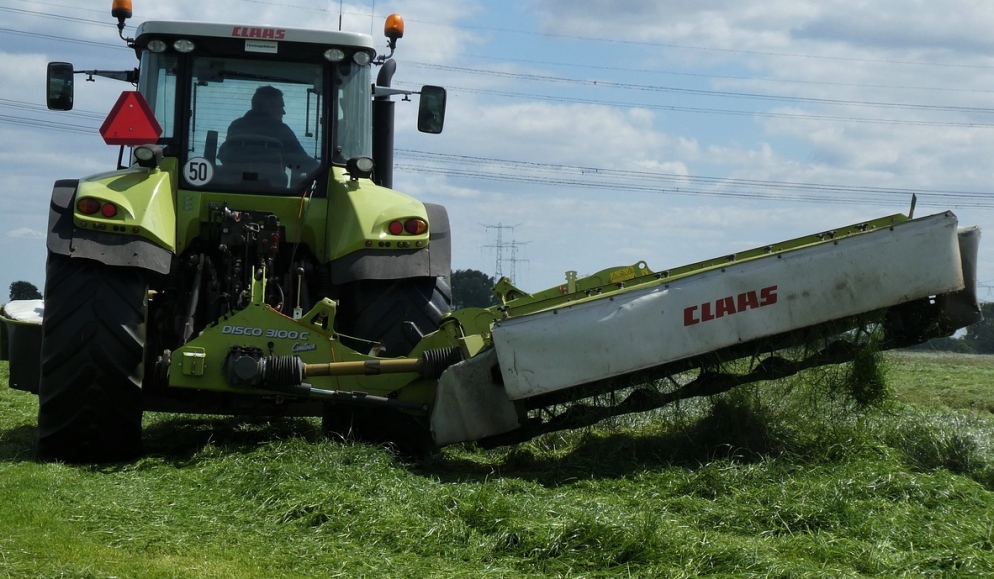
<point x="140" y="233"/>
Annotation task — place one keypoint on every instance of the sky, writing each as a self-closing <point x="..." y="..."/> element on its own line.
<point x="590" y="134"/>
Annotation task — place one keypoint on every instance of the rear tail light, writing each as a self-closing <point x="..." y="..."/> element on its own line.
<point x="415" y="226"/>
<point x="90" y="206"/>
<point x="87" y="206"/>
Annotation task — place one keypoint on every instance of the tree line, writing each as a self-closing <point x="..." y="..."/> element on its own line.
<point x="977" y="339"/>
<point x="472" y="288"/>
<point x="24" y="290"/>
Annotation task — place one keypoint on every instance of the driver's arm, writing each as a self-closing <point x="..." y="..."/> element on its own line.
<point x="294" y="154"/>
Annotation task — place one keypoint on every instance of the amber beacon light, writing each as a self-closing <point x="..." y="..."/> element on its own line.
<point x="393" y="29"/>
<point x="121" y="9"/>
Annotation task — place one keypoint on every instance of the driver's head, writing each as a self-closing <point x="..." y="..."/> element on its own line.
<point x="269" y="100"/>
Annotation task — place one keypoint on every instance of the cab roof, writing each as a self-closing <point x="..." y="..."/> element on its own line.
<point x="251" y="32"/>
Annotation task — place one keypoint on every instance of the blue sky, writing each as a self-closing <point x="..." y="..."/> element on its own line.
<point x="605" y="132"/>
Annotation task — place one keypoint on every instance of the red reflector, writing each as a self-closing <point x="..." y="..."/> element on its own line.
<point x="415" y="226"/>
<point x="130" y="122"/>
<point x="108" y="210"/>
<point x="87" y="206"/>
<point x="396" y="227"/>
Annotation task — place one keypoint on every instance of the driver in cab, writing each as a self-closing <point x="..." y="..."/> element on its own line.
<point x="265" y="119"/>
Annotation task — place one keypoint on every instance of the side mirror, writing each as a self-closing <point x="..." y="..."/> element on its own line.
<point x="60" y="86"/>
<point x="431" y="110"/>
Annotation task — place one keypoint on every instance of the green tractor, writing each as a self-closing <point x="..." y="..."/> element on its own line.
<point x="252" y="226"/>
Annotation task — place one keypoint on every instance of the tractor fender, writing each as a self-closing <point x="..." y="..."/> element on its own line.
<point x="432" y="261"/>
<point x="64" y="238"/>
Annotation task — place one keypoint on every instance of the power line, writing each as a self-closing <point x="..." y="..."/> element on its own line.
<point x="493" y="169"/>
<point x="559" y="176"/>
<point x="724" y="50"/>
<point x="714" y="111"/>
<point x="655" y="175"/>
<point x="80" y="8"/>
<point x="50" y="125"/>
<point x="52" y="37"/>
<point x="58" y="16"/>
<point x="644" y="43"/>
<point x="689" y="191"/>
<point x="610" y="68"/>
<point x="698" y="92"/>
<point x="675" y="108"/>
<point x="725" y="77"/>
<point x="9" y="103"/>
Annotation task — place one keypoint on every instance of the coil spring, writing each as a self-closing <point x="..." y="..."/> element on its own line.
<point x="434" y="362"/>
<point x="283" y="371"/>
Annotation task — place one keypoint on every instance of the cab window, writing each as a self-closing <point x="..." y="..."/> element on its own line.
<point x="158" y="86"/>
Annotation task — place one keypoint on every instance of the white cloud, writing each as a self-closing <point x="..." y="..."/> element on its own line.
<point x="26" y="233"/>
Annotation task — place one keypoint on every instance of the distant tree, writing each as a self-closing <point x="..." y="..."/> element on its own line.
<point x="472" y="288"/>
<point x="24" y="290"/>
<point x="981" y="335"/>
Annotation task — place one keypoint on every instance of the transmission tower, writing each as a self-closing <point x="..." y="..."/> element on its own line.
<point x="506" y="251"/>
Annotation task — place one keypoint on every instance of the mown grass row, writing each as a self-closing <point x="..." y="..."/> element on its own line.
<point x="782" y="479"/>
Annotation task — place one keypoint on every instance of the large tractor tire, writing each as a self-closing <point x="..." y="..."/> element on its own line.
<point x="92" y="354"/>
<point x="397" y="313"/>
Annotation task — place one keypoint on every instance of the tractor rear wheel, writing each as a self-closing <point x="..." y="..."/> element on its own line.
<point x="92" y="354"/>
<point x="397" y="313"/>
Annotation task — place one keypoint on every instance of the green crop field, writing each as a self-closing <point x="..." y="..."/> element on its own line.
<point x="778" y="479"/>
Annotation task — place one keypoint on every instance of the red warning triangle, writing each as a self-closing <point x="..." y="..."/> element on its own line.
<point x="130" y="122"/>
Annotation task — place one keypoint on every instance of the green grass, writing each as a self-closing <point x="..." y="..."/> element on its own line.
<point x="780" y="479"/>
<point x="963" y="381"/>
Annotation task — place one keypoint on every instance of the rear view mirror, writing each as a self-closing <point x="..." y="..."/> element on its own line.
<point x="60" y="86"/>
<point x="431" y="110"/>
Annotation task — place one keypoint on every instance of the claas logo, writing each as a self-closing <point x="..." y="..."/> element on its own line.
<point x="729" y="305"/>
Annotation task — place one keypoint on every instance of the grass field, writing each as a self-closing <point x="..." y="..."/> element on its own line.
<point x="780" y="479"/>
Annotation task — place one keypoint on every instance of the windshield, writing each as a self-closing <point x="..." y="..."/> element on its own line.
<point x="254" y="125"/>
<point x="260" y="125"/>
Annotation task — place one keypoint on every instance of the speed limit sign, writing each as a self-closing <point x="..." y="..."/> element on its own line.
<point x="198" y="171"/>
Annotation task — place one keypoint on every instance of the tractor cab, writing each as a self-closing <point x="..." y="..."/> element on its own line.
<point x="258" y="109"/>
